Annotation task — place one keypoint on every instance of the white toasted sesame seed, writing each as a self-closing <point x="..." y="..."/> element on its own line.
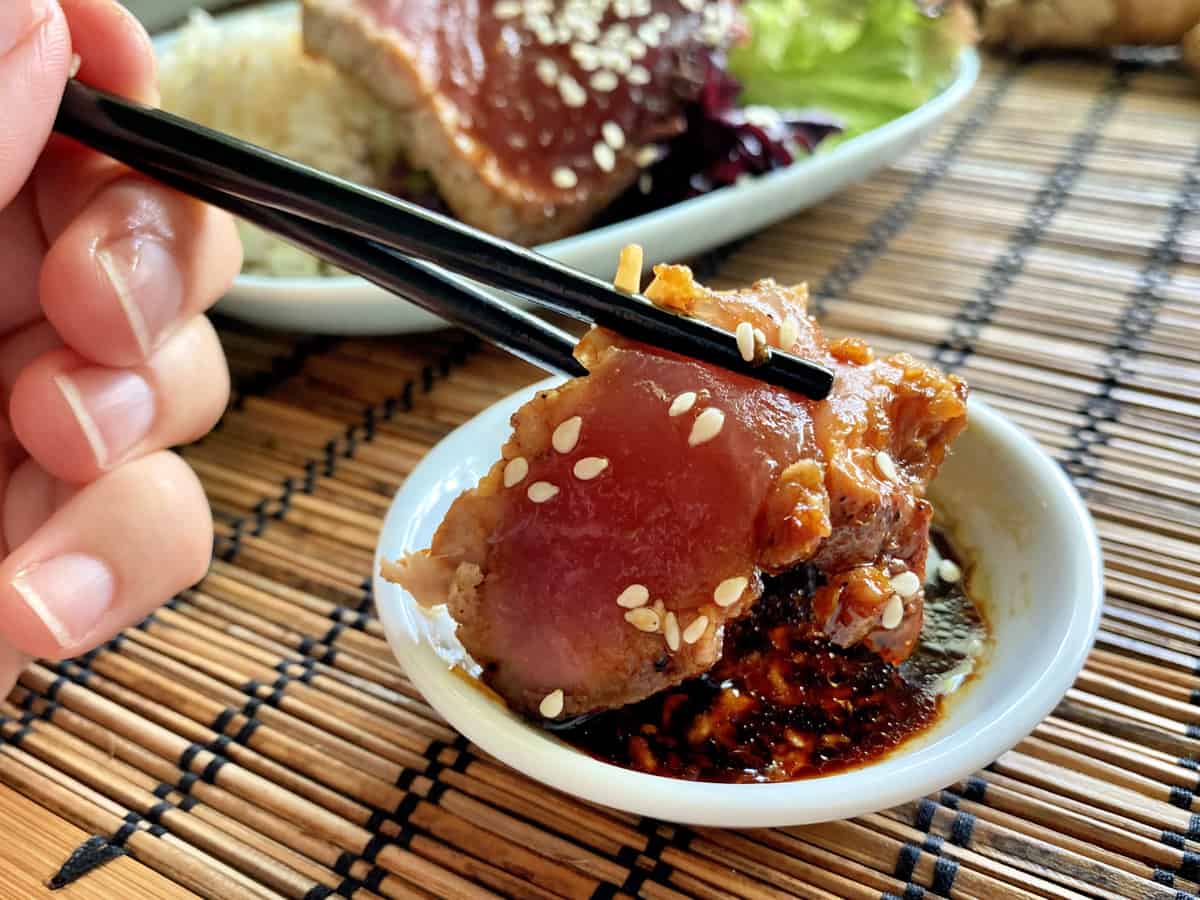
<point x="541" y="491"/>
<point x="893" y="613"/>
<point x="906" y="584"/>
<point x="572" y="94"/>
<point x="604" y="156"/>
<point x="789" y="332"/>
<point x="515" y="471"/>
<point x="682" y="403"/>
<point x="643" y="619"/>
<point x="552" y="704"/>
<point x="730" y="590"/>
<point x="604" y="81"/>
<point x="646" y="156"/>
<point x="590" y="467"/>
<point x="648" y="34"/>
<point x="760" y="340"/>
<point x="564" y="178"/>
<point x="695" y="630"/>
<point x="745" y="340"/>
<point x="547" y="71"/>
<point x="645" y="182"/>
<point x="661" y="21"/>
<point x="949" y="571"/>
<point x="671" y="631"/>
<point x="613" y="135"/>
<point x="706" y="427"/>
<point x="634" y="596"/>
<point x="692" y="5"/>
<point x="566" y="435"/>
<point x="638" y="75"/>
<point x="636" y="49"/>
<point x="886" y="467"/>
<point x="76" y="65"/>
<point x="641" y="7"/>
<point x="660" y="609"/>
<point x="507" y="9"/>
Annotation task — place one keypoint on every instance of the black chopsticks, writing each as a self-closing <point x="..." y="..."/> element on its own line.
<point x="401" y="246"/>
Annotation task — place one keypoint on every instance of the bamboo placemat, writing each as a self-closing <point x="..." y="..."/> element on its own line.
<point x="257" y="739"/>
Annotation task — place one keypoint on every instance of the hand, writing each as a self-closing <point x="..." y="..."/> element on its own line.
<point x="105" y="356"/>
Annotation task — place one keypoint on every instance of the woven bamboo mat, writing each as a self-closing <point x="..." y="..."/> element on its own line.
<point x="256" y="738"/>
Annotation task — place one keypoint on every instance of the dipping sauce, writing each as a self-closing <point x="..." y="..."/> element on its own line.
<point x="784" y="703"/>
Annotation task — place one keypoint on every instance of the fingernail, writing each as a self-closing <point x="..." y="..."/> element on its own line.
<point x="69" y="594"/>
<point x="17" y="19"/>
<point x="148" y="285"/>
<point x="114" y="410"/>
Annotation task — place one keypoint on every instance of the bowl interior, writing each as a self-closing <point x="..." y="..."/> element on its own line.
<point x="1034" y="565"/>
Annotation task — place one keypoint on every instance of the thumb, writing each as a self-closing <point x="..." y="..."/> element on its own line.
<point x="35" y="56"/>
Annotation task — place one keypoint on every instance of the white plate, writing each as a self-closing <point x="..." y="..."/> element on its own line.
<point x="1037" y="571"/>
<point x="352" y="306"/>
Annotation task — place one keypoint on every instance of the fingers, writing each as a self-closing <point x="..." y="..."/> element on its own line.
<point x="12" y="664"/>
<point x="78" y="420"/>
<point x="106" y="559"/>
<point x="137" y="263"/>
<point x="35" y="54"/>
<point x="115" y="55"/>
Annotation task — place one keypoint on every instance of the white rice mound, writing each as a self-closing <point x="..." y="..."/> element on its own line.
<point x="253" y="80"/>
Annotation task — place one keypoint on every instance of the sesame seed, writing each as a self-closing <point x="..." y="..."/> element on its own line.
<point x="515" y="471"/>
<point x="745" y="340"/>
<point x="572" y="94"/>
<point x="613" y="135"/>
<point x="604" y="81"/>
<point x="696" y="630"/>
<point x="949" y="571"/>
<point x="638" y="75"/>
<point x="661" y="21"/>
<point x="643" y="619"/>
<point x="76" y="65"/>
<point x="547" y="72"/>
<point x="541" y="491"/>
<point x="604" y="156"/>
<point x="906" y="584"/>
<point x="789" y="333"/>
<point x="660" y="609"/>
<point x="564" y="178"/>
<point x="552" y="704"/>
<point x="760" y="340"/>
<point x="648" y="34"/>
<point x="692" y="5"/>
<point x="507" y="9"/>
<point x="893" y="613"/>
<point x="682" y="403"/>
<point x="706" y="427"/>
<point x="730" y="590"/>
<point x="629" y="269"/>
<point x="566" y="435"/>
<point x="886" y="467"/>
<point x="671" y="631"/>
<point x="636" y="48"/>
<point x="634" y="596"/>
<point x="646" y="156"/>
<point x="645" y="182"/>
<point x="590" y="467"/>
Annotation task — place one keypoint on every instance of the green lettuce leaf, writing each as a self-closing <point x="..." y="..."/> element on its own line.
<point x="865" y="61"/>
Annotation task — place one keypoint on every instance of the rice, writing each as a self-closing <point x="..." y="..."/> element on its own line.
<point x="254" y="81"/>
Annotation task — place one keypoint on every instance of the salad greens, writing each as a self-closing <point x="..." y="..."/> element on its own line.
<point x="864" y="61"/>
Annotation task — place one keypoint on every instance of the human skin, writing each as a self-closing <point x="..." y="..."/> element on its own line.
<point x="106" y="358"/>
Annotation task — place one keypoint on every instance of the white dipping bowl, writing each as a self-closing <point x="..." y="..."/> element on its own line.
<point x="1036" y="570"/>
